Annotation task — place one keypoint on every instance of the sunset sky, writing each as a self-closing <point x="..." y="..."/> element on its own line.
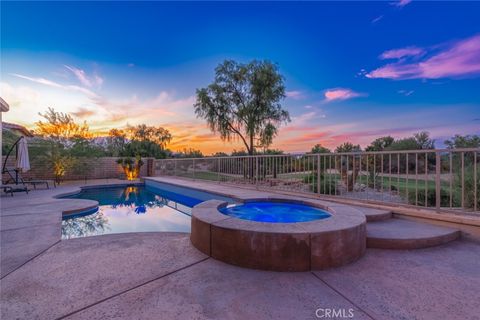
<point x="354" y="71"/>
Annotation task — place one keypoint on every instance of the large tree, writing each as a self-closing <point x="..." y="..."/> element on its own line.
<point x="458" y="141"/>
<point x="61" y="127"/>
<point x="116" y="142"/>
<point x="143" y="133"/>
<point x="244" y="102"/>
<point x="60" y="142"/>
<point x="318" y="148"/>
<point x="140" y="140"/>
<point x="419" y="141"/>
<point x="380" y="144"/>
<point x="348" y="147"/>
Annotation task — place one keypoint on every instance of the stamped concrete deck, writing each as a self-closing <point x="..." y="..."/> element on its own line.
<point x="161" y="276"/>
<point x="405" y="234"/>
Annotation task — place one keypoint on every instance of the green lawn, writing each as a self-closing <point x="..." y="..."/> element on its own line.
<point x="399" y="183"/>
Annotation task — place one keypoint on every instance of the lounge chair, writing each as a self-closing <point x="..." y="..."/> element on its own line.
<point x="11" y="188"/>
<point x="15" y="176"/>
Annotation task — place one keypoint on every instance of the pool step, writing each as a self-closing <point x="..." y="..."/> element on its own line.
<point x="375" y="214"/>
<point x="405" y="234"/>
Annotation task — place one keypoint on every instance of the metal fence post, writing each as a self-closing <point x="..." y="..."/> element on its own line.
<point x="475" y="181"/>
<point x="193" y="168"/>
<point x="437" y="181"/>
<point x="218" y="170"/>
<point x="256" y="171"/>
<point x="318" y="173"/>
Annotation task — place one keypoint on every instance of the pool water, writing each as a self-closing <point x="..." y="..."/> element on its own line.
<point x="135" y="209"/>
<point x="265" y="211"/>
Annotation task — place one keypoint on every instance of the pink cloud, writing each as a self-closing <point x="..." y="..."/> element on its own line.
<point x="81" y="76"/>
<point x="294" y="94"/>
<point x="459" y="59"/>
<point x="400" y="53"/>
<point x="98" y="80"/>
<point x="400" y="3"/>
<point x="333" y="136"/>
<point x="341" y="94"/>
<point x="84" y="78"/>
<point x="83" y="112"/>
<point x="57" y="85"/>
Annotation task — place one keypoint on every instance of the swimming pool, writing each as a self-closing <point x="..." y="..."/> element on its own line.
<point x="158" y="207"/>
<point x="268" y="211"/>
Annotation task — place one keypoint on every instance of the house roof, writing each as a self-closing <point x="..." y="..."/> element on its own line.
<point x="16" y="127"/>
<point x="4" y="107"/>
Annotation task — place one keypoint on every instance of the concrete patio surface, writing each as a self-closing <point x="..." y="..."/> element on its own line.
<point x="162" y="276"/>
<point x="80" y="272"/>
<point x="211" y="289"/>
<point x="31" y="223"/>
<point x="434" y="283"/>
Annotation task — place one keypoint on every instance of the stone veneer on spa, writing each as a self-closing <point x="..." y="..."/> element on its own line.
<point x="301" y="246"/>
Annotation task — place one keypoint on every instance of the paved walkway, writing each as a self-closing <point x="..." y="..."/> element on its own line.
<point x="161" y="276"/>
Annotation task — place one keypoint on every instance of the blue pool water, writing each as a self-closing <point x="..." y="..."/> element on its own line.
<point x="135" y="209"/>
<point x="265" y="211"/>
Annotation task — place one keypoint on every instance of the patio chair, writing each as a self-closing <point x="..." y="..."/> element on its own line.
<point x="22" y="162"/>
<point x="15" y="177"/>
<point x="11" y="188"/>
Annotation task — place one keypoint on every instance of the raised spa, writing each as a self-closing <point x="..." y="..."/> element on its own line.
<point x="279" y="234"/>
<point x="277" y="212"/>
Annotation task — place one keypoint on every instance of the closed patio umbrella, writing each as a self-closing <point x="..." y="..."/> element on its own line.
<point x="23" y="162"/>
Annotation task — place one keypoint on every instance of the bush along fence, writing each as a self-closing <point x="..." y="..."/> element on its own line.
<point x="80" y="168"/>
<point x="444" y="179"/>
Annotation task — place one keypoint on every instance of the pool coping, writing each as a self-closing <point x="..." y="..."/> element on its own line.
<point x="152" y="179"/>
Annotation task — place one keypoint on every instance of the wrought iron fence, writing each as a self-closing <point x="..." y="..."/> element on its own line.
<point x="445" y="179"/>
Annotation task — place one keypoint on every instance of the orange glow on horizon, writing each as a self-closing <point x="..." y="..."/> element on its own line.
<point x="291" y="139"/>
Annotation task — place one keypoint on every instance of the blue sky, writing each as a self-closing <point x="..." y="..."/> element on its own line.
<point x="354" y="70"/>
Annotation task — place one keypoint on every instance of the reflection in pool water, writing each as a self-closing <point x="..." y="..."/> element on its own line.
<point x="128" y="209"/>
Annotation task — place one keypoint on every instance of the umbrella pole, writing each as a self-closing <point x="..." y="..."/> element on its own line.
<point x="8" y="154"/>
<point x="16" y="157"/>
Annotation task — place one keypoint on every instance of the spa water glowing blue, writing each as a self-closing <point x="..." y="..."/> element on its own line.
<point x="277" y="212"/>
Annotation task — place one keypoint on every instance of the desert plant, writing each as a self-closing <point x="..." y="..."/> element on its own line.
<point x="420" y="197"/>
<point x="131" y="166"/>
<point x="61" y="164"/>
<point x="328" y="184"/>
<point x="469" y="187"/>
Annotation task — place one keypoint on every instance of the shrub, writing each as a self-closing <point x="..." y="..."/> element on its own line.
<point x="131" y="167"/>
<point x="469" y="187"/>
<point x="328" y="184"/>
<point x="431" y="198"/>
<point x="456" y="198"/>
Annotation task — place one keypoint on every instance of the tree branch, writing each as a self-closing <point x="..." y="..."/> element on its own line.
<point x="234" y="130"/>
